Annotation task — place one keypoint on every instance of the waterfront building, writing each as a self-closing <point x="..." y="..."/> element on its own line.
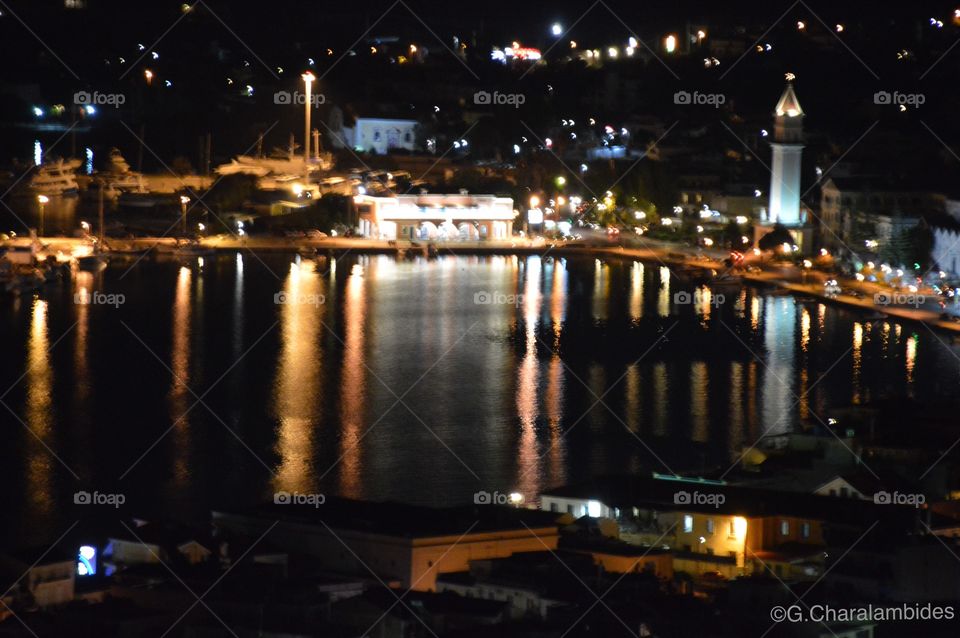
<point x="402" y="544"/>
<point x="859" y="209"/>
<point x="435" y="216"/>
<point x="713" y="527"/>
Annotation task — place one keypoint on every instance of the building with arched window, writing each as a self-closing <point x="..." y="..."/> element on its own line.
<point x="436" y="217"/>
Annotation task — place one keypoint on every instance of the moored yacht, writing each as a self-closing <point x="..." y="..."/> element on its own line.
<point x="56" y="178"/>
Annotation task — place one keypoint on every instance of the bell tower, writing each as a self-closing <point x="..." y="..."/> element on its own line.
<point x="787" y="147"/>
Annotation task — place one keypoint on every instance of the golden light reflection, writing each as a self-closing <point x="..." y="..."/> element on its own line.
<point x="636" y="290"/>
<point x="699" y="413"/>
<point x="38" y="409"/>
<point x="179" y="395"/>
<point x="83" y="287"/>
<point x="353" y="383"/>
<point x="558" y="299"/>
<point x="601" y="289"/>
<point x="297" y="395"/>
<point x="740" y="307"/>
<point x="703" y="301"/>
<point x="632" y="383"/>
<point x="857" y="359"/>
<point x="805" y="330"/>
<point x="755" y="313"/>
<point x="911" y="360"/>
<point x="735" y="438"/>
<point x="528" y="375"/>
<point x="663" y="296"/>
<point x="660" y="387"/>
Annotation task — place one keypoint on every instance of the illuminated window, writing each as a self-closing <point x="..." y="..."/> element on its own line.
<point x="805" y="530"/>
<point x="732" y="531"/>
<point x="784" y="528"/>
<point x="709" y="526"/>
<point x="687" y="523"/>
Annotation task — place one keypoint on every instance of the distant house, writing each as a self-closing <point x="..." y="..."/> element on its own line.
<point x="39" y="577"/>
<point x="151" y="543"/>
<point x="378" y="135"/>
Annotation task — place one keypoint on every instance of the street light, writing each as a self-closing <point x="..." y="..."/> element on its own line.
<point x="184" y="200"/>
<point x="308" y="79"/>
<point x="42" y="199"/>
<point x="148" y="74"/>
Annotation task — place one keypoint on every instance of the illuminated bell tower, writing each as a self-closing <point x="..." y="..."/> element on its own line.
<point x="787" y="148"/>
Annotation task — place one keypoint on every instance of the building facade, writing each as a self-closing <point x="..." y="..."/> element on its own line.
<point x="435" y="217"/>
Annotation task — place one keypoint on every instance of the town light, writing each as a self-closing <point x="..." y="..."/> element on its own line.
<point x="556" y="29"/>
<point x="534" y="201"/>
<point x="670" y="43"/>
<point x="148" y="74"/>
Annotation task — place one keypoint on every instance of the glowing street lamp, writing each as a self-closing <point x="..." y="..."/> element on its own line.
<point x="148" y="74"/>
<point x="556" y="29"/>
<point x="184" y="200"/>
<point x="42" y="200"/>
<point x="308" y="79"/>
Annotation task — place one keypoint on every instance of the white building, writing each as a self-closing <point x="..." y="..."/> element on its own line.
<point x="435" y="216"/>
<point x="373" y="134"/>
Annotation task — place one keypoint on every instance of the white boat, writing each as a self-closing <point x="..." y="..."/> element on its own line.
<point x="56" y="178"/>
<point x="192" y="249"/>
<point x="116" y="179"/>
<point x="285" y="164"/>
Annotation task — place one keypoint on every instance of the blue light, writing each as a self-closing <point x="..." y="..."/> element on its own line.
<point x="87" y="561"/>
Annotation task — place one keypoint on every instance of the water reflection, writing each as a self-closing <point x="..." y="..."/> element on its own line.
<point x="298" y="391"/>
<point x="780" y="325"/>
<point x="528" y="377"/>
<point x="39" y="415"/>
<point x="353" y="383"/>
<point x="503" y="398"/>
<point x="179" y="395"/>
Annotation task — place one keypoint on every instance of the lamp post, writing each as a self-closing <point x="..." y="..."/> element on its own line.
<point x="308" y="79"/>
<point x="42" y="200"/>
<point x="184" y="200"/>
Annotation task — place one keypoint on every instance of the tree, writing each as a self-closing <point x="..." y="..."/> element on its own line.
<point x="776" y="237"/>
